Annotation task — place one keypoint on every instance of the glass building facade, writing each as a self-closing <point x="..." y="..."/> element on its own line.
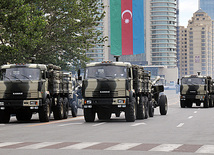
<point x="163" y="32"/>
<point x="208" y="7"/>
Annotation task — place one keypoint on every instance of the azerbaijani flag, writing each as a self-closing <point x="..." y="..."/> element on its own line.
<point x="127" y="27"/>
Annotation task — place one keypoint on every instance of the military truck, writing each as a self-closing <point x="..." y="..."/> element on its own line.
<point x="33" y="88"/>
<point x="196" y="89"/>
<point x="115" y="87"/>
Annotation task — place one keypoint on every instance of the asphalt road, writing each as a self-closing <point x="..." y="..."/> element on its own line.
<point x="181" y="131"/>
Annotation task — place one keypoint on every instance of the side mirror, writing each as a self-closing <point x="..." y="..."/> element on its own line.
<point x="178" y="82"/>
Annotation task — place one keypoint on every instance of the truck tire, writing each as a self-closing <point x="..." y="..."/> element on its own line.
<point x="58" y="109"/>
<point x="182" y="104"/>
<point x="24" y="115"/>
<point x="104" y="115"/>
<point x="65" y="108"/>
<point x="211" y="102"/>
<point x="89" y="115"/>
<point x="146" y="104"/>
<point x="45" y="111"/>
<point x="189" y="103"/>
<point x="151" y="109"/>
<point x="206" y="103"/>
<point x="130" y="111"/>
<point x="163" y="105"/>
<point x="140" y="109"/>
<point x="74" y="109"/>
<point x="4" y="116"/>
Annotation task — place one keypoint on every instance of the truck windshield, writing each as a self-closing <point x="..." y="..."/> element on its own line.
<point x="193" y="81"/>
<point x="21" y="74"/>
<point x="107" y="71"/>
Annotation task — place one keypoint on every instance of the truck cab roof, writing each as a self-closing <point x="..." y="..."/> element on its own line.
<point x="109" y="63"/>
<point x="40" y="66"/>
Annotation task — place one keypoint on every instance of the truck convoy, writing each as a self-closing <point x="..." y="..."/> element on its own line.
<point x="34" y="88"/>
<point x="115" y="87"/>
<point x="196" y="89"/>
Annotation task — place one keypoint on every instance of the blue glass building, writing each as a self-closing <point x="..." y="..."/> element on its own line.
<point x="208" y="7"/>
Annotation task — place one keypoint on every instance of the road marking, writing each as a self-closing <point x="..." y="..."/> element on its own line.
<point x="137" y="124"/>
<point x="190" y="117"/>
<point x="39" y="145"/>
<point x="8" y="143"/>
<point x="123" y="146"/>
<point x="206" y="149"/>
<point x="70" y="124"/>
<point x="166" y="147"/>
<point x="98" y="124"/>
<point x="180" y="125"/>
<point x="81" y="145"/>
<point x="195" y="112"/>
<point x="59" y="121"/>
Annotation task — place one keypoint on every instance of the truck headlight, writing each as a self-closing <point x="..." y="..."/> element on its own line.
<point x="88" y="102"/>
<point x="1" y="103"/>
<point x="182" y="97"/>
<point x="121" y="101"/>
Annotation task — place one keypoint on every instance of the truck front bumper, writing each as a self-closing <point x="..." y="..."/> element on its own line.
<point x="119" y="102"/>
<point x="32" y="103"/>
<point x="192" y="97"/>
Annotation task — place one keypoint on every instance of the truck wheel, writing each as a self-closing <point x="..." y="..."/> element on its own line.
<point x="4" y="116"/>
<point x="189" y="103"/>
<point x="58" y="109"/>
<point x="74" y="109"/>
<point x="182" y="104"/>
<point x="89" y="115"/>
<point x="211" y="102"/>
<point x="130" y="112"/>
<point x="163" y="105"/>
<point x="45" y="111"/>
<point x="151" y="109"/>
<point x="65" y="108"/>
<point x="206" y="103"/>
<point x="146" y="105"/>
<point x="24" y="115"/>
<point x="104" y="115"/>
<point x="140" y="109"/>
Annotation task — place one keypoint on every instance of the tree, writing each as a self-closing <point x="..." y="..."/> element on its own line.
<point x="21" y="28"/>
<point x="56" y="31"/>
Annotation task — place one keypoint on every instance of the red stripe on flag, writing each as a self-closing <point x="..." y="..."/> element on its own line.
<point x="127" y="28"/>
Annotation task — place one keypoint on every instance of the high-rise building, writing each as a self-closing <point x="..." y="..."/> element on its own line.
<point x="208" y="7"/>
<point x="162" y="50"/>
<point x="196" y="42"/>
<point x="100" y="51"/>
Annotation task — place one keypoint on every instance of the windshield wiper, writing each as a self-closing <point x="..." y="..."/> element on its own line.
<point x="16" y="78"/>
<point x="8" y="78"/>
<point x="26" y="77"/>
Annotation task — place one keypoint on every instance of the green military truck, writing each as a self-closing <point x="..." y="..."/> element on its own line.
<point x="33" y="88"/>
<point x="115" y="87"/>
<point x="196" y="89"/>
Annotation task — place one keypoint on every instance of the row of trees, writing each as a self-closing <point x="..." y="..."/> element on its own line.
<point x="52" y="31"/>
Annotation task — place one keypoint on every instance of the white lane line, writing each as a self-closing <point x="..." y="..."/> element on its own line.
<point x="195" y="112"/>
<point x="98" y="124"/>
<point x="180" y="125"/>
<point x="190" y="117"/>
<point x="166" y="147"/>
<point x="80" y="146"/>
<point x="206" y="149"/>
<point x="137" y="124"/>
<point x="123" y="146"/>
<point x="70" y="124"/>
<point x="39" y="145"/>
<point x="8" y="143"/>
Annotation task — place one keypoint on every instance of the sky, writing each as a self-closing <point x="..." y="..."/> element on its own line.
<point x="187" y="8"/>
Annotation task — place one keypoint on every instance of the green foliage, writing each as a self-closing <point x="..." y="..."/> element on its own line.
<point x="53" y="31"/>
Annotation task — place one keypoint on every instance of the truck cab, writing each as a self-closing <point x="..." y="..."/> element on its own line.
<point x="196" y="89"/>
